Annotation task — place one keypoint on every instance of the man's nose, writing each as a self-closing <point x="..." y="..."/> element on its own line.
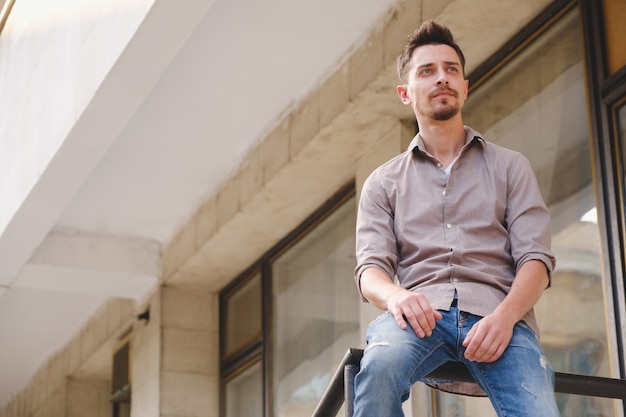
<point x="442" y="77"/>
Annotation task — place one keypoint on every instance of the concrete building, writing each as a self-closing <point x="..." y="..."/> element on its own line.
<point x="178" y="185"/>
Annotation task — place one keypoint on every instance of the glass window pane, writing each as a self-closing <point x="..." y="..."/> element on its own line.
<point x="244" y="393"/>
<point x="315" y="314"/>
<point x="536" y="105"/>
<point x="243" y="315"/>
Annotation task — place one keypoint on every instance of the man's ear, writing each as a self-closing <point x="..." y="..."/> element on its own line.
<point x="402" y="93"/>
<point x="466" y="89"/>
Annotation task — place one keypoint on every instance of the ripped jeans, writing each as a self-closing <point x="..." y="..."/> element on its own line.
<point x="519" y="384"/>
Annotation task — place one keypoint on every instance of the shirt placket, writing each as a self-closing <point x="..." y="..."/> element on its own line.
<point x="450" y="227"/>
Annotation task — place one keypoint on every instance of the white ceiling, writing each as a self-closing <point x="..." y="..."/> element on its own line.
<point x="245" y="65"/>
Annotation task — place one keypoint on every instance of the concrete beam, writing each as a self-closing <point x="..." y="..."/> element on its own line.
<point x="120" y="94"/>
<point x="91" y="264"/>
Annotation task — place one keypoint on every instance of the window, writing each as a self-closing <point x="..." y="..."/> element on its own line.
<point x="242" y="316"/>
<point x="244" y="392"/>
<point x="287" y="323"/>
<point x="315" y="315"/>
<point x="536" y="104"/>
<point x="241" y="340"/>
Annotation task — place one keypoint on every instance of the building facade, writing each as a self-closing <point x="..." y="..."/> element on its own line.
<point x="245" y="303"/>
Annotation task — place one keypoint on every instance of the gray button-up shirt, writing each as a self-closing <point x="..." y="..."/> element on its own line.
<point x="468" y="233"/>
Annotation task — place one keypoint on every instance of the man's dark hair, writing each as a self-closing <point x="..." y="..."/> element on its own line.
<point x="429" y="33"/>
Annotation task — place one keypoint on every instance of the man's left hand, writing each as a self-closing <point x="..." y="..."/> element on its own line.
<point x="488" y="338"/>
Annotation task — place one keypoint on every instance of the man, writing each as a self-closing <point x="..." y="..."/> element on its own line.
<point x="461" y="223"/>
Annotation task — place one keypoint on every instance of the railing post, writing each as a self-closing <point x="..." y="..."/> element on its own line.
<point x="350" y="372"/>
<point x="335" y="393"/>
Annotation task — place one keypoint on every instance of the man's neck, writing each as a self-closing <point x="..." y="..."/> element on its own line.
<point x="444" y="139"/>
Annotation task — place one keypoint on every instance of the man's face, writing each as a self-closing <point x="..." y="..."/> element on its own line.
<point x="435" y="86"/>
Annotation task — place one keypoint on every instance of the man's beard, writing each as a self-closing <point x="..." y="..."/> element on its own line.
<point x="444" y="111"/>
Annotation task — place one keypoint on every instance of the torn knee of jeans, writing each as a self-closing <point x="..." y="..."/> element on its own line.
<point x="531" y="392"/>
<point x="544" y="365"/>
<point x="380" y="343"/>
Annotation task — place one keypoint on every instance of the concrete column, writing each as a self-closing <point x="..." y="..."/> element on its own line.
<point x="189" y="353"/>
<point x="175" y="364"/>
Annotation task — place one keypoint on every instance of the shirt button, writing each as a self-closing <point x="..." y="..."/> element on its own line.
<point x="454" y="280"/>
<point x="439" y="164"/>
<point x="444" y="192"/>
<point x="449" y="226"/>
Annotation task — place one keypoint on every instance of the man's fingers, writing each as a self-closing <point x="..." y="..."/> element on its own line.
<point x="422" y="322"/>
<point x="428" y="315"/>
<point x="409" y="319"/>
<point x="484" y="343"/>
<point x="488" y="352"/>
<point x="401" y="320"/>
<point x="475" y="343"/>
<point x="485" y="351"/>
<point x="413" y="309"/>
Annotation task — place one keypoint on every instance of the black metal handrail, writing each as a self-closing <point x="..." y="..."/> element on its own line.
<point x="341" y="387"/>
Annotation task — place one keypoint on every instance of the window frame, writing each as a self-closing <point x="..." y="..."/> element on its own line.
<point x="261" y="349"/>
<point x="604" y="94"/>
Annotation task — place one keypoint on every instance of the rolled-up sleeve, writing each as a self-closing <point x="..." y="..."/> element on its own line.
<point x="376" y="244"/>
<point x="527" y="217"/>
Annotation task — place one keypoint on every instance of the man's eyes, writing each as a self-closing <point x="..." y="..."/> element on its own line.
<point x="428" y="71"/>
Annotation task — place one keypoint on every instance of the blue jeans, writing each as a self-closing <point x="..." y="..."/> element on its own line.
<point x="519" y="384"/>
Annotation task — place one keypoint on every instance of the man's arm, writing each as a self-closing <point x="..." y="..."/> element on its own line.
<point x="489" y="337"/>
<point x="406" y="306"/>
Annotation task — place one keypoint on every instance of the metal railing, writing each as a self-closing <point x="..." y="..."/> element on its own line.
<point x="341" y="387"/>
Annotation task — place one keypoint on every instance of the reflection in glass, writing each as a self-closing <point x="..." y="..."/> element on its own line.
<point x="244" y="393"/>
<point x="316" y="313"/>
<point x="243" y="315"/>
<point x="536" y="105"/>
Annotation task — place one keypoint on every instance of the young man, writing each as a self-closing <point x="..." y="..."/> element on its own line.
<point x="461" y="223"/>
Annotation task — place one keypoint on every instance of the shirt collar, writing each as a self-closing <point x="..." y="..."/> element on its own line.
<point x="470" y="135"/>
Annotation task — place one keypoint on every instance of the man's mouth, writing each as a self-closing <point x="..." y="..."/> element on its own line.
<point x="444" y="93"/>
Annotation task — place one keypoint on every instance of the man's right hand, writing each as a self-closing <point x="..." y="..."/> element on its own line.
<point x="406" y="306"/>
<point x="413" y="308"/>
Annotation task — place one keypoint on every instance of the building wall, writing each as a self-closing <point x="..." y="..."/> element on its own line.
<point x="339" y="132"/>
<point x="76" y="381"/>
